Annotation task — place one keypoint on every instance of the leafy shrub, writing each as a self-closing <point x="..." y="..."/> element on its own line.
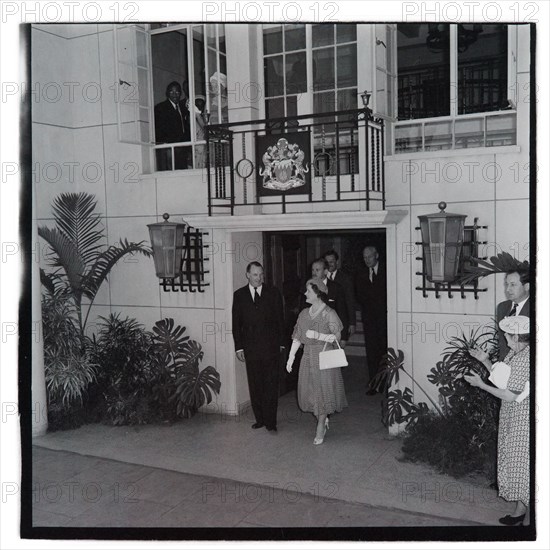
<point x="147" y="376"/>
<point x="123" y="350"/>
<point x="179" y="359"/>
<point x="69" y="368"/>
<point x="460" y="437"/>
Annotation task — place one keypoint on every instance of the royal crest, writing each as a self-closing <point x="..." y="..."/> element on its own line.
<point x="284" y="166"/>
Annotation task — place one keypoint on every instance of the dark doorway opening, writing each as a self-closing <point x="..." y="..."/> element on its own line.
<point x="288" y="256"/>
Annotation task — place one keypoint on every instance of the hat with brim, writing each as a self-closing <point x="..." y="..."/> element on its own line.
<point x="518" y="324"/>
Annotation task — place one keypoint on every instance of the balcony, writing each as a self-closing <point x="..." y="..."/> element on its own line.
<point x="306" y="163"/>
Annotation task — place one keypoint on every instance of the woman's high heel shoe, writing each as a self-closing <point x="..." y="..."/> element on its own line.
<point x="511" y="520"/>
<point x="319" y="440"/>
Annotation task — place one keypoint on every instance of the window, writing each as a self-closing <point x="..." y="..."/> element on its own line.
<point x="195" y="56"/>
<point x="285" y="74"/>
<point x="180" y="73"/>
<point x="330" y="52"/>
<point x="334" y="69"/>
<point x="455" y="71"/>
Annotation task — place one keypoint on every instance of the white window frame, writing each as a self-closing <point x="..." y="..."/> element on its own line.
<point x="133" y="95"/>
<point x="453" y="117"/>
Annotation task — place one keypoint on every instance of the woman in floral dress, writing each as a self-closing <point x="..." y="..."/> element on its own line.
<point x="320" y="392"/>
<point x="511" y="377"/>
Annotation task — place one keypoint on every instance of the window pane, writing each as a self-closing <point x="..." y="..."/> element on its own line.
<point x="169" y="59"/>
<point x="423" y="70"/>
<point x="296" y="79"/>
<point x="221" y="37"/>
<point x="143" y="88"/>
<point x="347" y="99"/>
<point x="141" y="46"/>
<point x="292" y="105"/>
<point x="408" y="138"/>
<point x="273" y="75"/>
<point x="482" y="68"/>
<point x="211" y="35"/>
<point x="322" y="35"/>
<point x="347" y="66"/>
<point x="212" y="64"/>
<point x="323" y="69"/>
<point x="295" y="37"/>
<point x="273" y="39"/>
<point x="324" y="103"/>
<point x="438" y="136"/>
<point x="469" y="133"/>
<point x="346" y="32"/>
<point x="198" y="62"/>
<point x="501" y="130"/>
<point x="275" y="108"/>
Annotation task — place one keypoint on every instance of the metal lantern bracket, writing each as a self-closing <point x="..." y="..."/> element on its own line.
<point x="192" y="278"/>
<point x="471" y="236"/>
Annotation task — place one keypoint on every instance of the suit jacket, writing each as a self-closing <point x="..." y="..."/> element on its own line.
<point x="258" y="330"/>
<point x="337" y="301"/>
<point x="169" y="127"/>
<point x="503" y="309"/>
<point x="346" y="282"/>
<point x="371" y="296"/>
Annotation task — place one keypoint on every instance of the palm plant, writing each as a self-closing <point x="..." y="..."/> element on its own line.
<point x="501" y="263"/>
<point x="78" y="253"/>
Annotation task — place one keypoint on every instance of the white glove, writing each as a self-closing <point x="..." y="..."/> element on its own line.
<point x="293" y="349"/>
<point x="289" y="363"/>
<point x="313" y="334"/>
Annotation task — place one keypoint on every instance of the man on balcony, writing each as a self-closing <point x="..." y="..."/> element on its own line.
<point x="172" y="126"/>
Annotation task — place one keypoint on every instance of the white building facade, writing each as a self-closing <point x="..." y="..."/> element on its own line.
<point x="454" y="103"/>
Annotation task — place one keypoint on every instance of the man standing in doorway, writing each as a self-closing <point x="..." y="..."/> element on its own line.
<point x="336" y="295"/>
<point x="259" y="337"/>
<point x="516" y="290"/>
<point x="371" y="293"/>
<point x="337" y="275"/>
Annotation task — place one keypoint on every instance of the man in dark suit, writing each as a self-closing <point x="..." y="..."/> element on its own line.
<point x="345" y="281"/>
<point x="516" y="289"/>
<point x="336" y="295"/>
<point x="371" y="293"/>
<point x="172" y="126"/>
<point x="258" y="333"/>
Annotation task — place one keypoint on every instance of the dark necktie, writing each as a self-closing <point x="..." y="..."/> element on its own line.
<point x="256" y="296"/>
<point x="372" y="275"/>
<point x="513" y="310"/>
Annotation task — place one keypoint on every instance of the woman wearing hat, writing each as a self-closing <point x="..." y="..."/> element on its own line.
<point x="511" y="378"/>
<point x="320" y="392"/>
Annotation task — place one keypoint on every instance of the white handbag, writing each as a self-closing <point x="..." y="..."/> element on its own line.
<point x="333" y="358"/>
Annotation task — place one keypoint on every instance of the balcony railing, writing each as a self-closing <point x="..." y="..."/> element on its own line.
<point x="342" y="160"/>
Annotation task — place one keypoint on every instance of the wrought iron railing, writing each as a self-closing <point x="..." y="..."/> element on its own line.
<point x="343" y="160"/>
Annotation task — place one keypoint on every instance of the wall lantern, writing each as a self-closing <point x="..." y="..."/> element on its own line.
<point x="178" y="252"/>
<point x="167" y="243"/>
<point x="442" y="239"/>
<point x="365" y="98"/>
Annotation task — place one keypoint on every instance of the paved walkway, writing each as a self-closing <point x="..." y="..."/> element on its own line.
<point x="215" y="470"/>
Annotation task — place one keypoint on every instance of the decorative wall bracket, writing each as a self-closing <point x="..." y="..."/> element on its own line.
<point x="193" y="272"/>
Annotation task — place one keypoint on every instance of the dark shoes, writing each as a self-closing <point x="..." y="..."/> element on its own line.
<point x="258" y="425"/>
<point x="371" y="392"/>
<point x="511" y="520"/>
